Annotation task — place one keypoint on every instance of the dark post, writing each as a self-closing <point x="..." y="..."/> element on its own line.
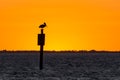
<point x="41" y="53"/>
<point x="41" y="42"/>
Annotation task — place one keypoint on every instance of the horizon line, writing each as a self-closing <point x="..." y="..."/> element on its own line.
<point x="87" y="51"/>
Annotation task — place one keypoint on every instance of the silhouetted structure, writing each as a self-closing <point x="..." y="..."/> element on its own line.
<point x="41" y="42"/>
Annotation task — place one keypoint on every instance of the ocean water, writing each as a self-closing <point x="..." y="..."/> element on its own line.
<point x="60" y="66"/>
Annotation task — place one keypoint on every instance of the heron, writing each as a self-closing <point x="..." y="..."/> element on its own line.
<point x="43" y="25"/>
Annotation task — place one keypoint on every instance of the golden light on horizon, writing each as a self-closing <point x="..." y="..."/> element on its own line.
<point x="71" y="24"/>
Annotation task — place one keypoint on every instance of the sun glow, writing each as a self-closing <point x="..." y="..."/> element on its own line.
<point x="71" y="24"/>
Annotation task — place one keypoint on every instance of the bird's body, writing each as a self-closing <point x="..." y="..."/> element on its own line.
<point x="43" y="25"/>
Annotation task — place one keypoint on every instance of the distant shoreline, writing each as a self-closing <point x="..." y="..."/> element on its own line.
<point x="72" y="51"/>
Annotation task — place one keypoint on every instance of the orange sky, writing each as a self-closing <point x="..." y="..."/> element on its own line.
<point x="71" y="24"/>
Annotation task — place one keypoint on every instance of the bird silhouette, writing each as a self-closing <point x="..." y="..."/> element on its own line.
<point x="43" y="25"/>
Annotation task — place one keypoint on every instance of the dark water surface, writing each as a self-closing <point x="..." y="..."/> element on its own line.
<point x="60" y="66"/>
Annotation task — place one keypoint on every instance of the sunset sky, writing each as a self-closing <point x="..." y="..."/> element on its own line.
<point x="71" y="24"/>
